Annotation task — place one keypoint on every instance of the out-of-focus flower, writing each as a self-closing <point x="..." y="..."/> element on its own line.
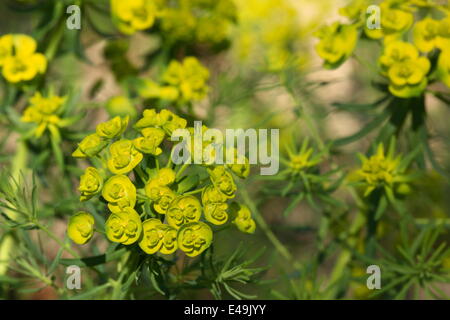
<point x="409" y="79"/>
<point x="123" y="157"/>
<point x="91" y="183"/>
<point x="124" y="227"/>
<point x="120" y="193"/>
<point x="443" y="68"/>
<point x="337" y="43"/>
<point x="133" y="15"/>
<point x="81" y="227"/>
<point x="395" y="20"/>
<point x="396" y="52"/>
<point x="189" y="77"/>
<point x="19" y="59"/>
<point x="194" y="238"/>
<point x="182" y="210"/>
<point x="121" y="106"/>
<point x="242" y="217"/>
<point x="426" y="34"/>
<point x="157" y="236"/>
<point x="44" y="112"/>
<point x="242" y="170"/>
<point x="112" y="128"/>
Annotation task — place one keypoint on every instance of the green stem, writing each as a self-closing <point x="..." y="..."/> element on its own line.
<point x="63" y="245"/>
<point x="282" y="250"/>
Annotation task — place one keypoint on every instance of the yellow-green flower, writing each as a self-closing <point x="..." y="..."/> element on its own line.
<point x="242" y="170"/>
<point x="242" y="217"/>
<point x="444" y="32"/>
<point x="189" y="77"/>
<point x="81" y="227"/>
<point x="194" y="238"/>
<point x="121" y="106"/>
<point x="124" y="227"/>
<point x="44" y="111"/>
<point x="18" y="58"/>
<point x="426" y="34"/>
<point x="120" y="193"/>
<point x="214" y="205"/>
<point x="123" y="157"/>
<point x="396" y="52"/>
<point x="379" y="170"/>
<point x="91" y="183"/>
<point x="166" y="120"/>
<point x="337" y="43"/>
<point x="355" y="11"/>
<point x="443" y="68"/>
<point x="165" y="176"/>
<point x="149" y="89"/>
<point x="112" y="128"/>
<point x="162" y="196"/>
<point x="149" y="143"/>
<point x="182" y="210"/>
<point x="90" y="146"/>
<point x="223" y="181"/>
<point x="133" y="15"/>
<point x="409" y="79"/>
<point x="395" y="20"/>
<point x="157" y="236"/>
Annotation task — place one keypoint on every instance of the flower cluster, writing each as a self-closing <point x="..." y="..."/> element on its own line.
<point x="45" y="113"/>
<point x="202" y="21"/>
<point x="160" y="208"/>
<point x="379" y="170"/>
<point x="18" y="58"/>
<point x="268" y="34"/>
<point x="198" y="21"/>
<point x="406" y="65"/>
<point x="133" y="15"/>
<point x="182" y="82"/>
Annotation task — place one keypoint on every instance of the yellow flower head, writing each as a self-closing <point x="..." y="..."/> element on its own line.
<point x="379" y="170"/>
<point x="409" y="79"/>
<point x="81" y="227"/>
<point x="133" y="15"/>
<point x="194" y="238"/>
<point x="223" y="181"/>
<point x="91" y="183"/>
<point x="242" y="170"/>
<point x="182" y="210"/>
<point x="337" y="43"/>
<point x="426" y="34"/>
<point x="214" y="205"/>
<point x="120" y="193"/>
<point x="355" y="10"/>
<point x="149" y="143"/>
<point x="123" y="157"/>
<point x="395" y="20"/>
<point x="124" y="227"/>
<point x="397" y="52"/>
<point x="157" y="236"/>
<point x="90" y="146"/>
<point x="43" y="111"/>
<point x="189" y="77"/>
<point x="242" y="217"/>
<point x="18" y="58"/>
<point x="161" y="195"/>
<point x="112" y="128"/>
<point x="166" y="120"/>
